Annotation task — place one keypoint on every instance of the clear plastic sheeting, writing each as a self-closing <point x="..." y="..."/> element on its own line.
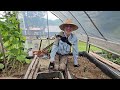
<point x="63" y="16"/>
<point x="85" y="22"/>
<point x="108" y="23"/>
<point x="37" y="25"/>
<point x="59" y="15"/>
<point x="102" y="27"/>
<point x="33" y="23"/>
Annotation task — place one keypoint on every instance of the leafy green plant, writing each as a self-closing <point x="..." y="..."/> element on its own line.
<point x="12" y="38"/>
<point x="110" y="57"/>
<point x="117" y="60"/>
<point x="1" y="66"/>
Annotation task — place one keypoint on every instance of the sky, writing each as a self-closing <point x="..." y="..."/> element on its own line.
<point x="50" y="15"/>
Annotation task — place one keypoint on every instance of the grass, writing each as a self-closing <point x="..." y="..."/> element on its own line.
<point x="82" y="47"/>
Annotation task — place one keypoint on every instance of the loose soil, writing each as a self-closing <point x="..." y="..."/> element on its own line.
<point x="15" y="74"/>
<point x="86" y="70"/>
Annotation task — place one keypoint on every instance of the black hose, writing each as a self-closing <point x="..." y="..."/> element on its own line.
<point x="114" y="74"/>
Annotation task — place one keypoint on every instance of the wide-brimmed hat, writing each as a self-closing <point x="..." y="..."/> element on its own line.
<point x="68" y="22"/>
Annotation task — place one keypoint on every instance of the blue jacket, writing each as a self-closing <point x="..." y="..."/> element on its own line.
<point x="63" y="48"/>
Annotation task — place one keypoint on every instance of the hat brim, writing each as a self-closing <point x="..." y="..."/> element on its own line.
<point x="62" y="26"/>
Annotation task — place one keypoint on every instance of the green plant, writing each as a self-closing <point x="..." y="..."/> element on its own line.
<point x="110" y="57"/>
<point x="117" y="60"/>
<point x="1" y="66"/>
<point x="12" y="38"/>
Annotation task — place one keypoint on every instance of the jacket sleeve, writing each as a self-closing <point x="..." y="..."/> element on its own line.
<point x="54" y="50"/>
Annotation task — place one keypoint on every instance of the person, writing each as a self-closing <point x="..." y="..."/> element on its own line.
<point x="63" y="43"/>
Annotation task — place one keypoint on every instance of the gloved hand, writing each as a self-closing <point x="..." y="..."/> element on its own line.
<point x="51" y="65"/>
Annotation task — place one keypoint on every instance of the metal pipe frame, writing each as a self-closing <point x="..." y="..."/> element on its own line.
<point x="94" y="24"/>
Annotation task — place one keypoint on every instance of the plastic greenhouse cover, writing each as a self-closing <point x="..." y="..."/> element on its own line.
<point x="108" y="23"/>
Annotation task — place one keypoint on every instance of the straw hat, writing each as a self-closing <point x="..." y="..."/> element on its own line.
<point x="68" y="22"/>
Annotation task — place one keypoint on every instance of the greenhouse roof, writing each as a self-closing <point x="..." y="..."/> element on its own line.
<point x="100" y="24"/>
<point x="100" y="28"/>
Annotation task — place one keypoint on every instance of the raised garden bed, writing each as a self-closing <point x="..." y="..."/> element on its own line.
<point x="90" y="68"/>
<point x="106" y="69"/>
<point x="87" y="70"/>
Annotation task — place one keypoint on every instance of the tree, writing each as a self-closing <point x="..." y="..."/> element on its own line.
<point x="34" y="19"/>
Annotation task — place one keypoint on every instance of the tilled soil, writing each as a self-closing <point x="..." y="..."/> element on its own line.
<point x="15" y="74"/>
<point x="87" y="70"/>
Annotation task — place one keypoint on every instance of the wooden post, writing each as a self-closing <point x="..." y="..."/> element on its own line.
<point x="89" y="48"/>
<point x="3" y="50"/>
<point x="87" y="44"/>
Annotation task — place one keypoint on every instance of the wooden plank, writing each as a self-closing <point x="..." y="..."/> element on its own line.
<point x="37" y="68"/>
<point x="62" y="77"/>
<point x="68" y="73"/>
<point x="30" y="67"/>
<point x="33" y="69"/>
<point x="9" y="78"/>
<point x="115" y="66"/>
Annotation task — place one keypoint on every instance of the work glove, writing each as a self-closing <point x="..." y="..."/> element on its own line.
<point x="51" y="65"/>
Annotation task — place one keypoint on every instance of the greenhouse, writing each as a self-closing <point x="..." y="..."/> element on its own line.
<point x="27" y="39"/>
